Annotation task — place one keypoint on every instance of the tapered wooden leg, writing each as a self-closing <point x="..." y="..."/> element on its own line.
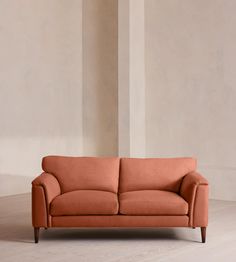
<point x="203" y="233"/>
<point x="36" y="234"/>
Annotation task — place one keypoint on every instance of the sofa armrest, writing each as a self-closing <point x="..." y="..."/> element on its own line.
<point x="44" y="189"/>
<point x="194" y="189"/>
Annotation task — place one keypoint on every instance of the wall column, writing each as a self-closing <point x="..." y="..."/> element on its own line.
<point x="131" y="78"/>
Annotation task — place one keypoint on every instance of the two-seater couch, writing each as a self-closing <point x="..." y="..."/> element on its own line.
<point x="119" y="192"/>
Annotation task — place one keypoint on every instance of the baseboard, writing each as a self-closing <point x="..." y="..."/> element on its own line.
<point x="14" y="184"/>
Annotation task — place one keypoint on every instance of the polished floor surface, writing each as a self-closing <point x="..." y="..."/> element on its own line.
<point x="85" y="245"/>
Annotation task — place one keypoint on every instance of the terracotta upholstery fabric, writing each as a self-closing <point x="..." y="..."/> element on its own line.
<point x="120" y="221"/>
<point x="82" y="173"/>
<point x="83" y="192"/>
<point x="85" y="202"/>
<point x="154" y="173"/>
<point x="50" y="185"/>
<point x="39" y="207"/>
<point x="200" y="211"/>
<point x="152" y="202"/>
<point x="194" y="190"/>
<point x="44" y="189"/>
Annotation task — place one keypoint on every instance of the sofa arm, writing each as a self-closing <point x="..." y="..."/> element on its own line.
<point x="44" y="189"/>
<point x="194" y="190"/>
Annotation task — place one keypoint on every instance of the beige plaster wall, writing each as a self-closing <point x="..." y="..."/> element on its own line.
<point x="58" y="84"/>
<point x="40" y="85"/>
<point x="191" y="86"/>
<point x="100" y="66"/>
<point x="131" y="78"/>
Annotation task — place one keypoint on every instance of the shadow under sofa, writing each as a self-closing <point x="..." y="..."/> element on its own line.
<point x="119" y="192"/>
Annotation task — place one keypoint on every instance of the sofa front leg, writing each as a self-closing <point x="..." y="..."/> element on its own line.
<point x="203" y="233"/>
<point x="36" y="234"/>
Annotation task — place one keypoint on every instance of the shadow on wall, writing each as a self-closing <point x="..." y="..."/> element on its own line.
<point x="100" y="77"/>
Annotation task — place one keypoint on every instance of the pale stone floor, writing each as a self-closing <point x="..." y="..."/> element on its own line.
<point x="166" y="244"/>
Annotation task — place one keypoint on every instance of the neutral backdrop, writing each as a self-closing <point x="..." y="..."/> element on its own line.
<point x="59" y="85"/>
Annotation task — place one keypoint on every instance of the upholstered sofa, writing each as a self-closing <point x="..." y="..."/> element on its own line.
<point x="119" y="192"/>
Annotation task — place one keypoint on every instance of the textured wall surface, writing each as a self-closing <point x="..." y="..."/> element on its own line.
<point x="100" y="69"/>
<point x="191" y="86"/>
<point x="40" y="84"/>
<point x="131" y="78"/>
<point x="59" y="84"/>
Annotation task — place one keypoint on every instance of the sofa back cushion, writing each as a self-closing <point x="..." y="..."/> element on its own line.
<point x="154" y="173"/>
<point x="83" y="173"/>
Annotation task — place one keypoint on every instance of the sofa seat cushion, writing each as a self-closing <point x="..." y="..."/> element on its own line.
<point x="85" y="202"/>
<point x="152" y="202"/>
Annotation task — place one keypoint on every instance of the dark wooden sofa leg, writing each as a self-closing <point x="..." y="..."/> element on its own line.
<point x="203" y="233"/>
<point x="36" y="234"/>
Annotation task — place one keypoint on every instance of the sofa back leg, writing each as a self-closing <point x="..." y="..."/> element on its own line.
<point x="203" y="233"/>
<point x="36" y="234"/>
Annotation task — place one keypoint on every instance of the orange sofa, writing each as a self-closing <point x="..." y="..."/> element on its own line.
<point x="119" y="192"/>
